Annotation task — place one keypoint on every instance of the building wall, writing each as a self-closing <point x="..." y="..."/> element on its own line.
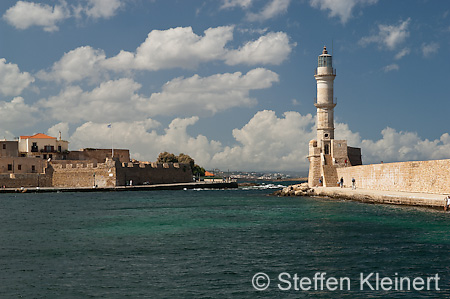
<point x="83" y="174"/>
<point x="21" y="165"/>
<point x="100" y="155"/>
<point x="416" y="176"/>
<point x="339" y="152"/>
<point x="9" y="148"/>
<point x="354" y="156"/>
<point x="153" y="173"/>
<point x="315" y="165"/>
<point x="17" y="180"/>
<point x="26" y="144"/>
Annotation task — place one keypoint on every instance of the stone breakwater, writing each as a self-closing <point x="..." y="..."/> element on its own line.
<point x="366" y="195"/>
<point x="295" y="190"/>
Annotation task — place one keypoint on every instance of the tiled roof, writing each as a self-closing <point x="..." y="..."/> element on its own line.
<point x="38" y="136"/>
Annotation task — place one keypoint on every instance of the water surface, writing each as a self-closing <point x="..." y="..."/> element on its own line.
<point x="210" y="243"/>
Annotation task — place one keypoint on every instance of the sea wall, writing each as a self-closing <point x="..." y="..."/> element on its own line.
<point x="415" y="176"/>
<point x="153" y="173"/>
<point x="84" y="174"/>
<point x="17" y="180"/>
<point x="89" y="173"/>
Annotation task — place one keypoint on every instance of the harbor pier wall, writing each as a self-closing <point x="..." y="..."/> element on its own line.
<point x="153" y="173"/>
<point x="413" y="176"/>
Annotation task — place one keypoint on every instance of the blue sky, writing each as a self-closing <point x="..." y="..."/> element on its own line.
<point x="229" y="82"/>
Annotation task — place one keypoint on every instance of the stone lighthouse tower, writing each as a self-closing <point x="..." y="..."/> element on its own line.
<point x="327" y="154"/>
<point x="324" y="101"/>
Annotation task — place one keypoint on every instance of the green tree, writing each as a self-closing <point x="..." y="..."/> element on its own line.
<point x="183" y="158"/>
<point x="198" y="170"/>
<point x="167" y="158"/>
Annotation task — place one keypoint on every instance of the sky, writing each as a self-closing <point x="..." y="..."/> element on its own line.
<point x="228" y="82"/>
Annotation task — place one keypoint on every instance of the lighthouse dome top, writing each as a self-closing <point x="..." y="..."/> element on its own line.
<point x="325" y="60"/>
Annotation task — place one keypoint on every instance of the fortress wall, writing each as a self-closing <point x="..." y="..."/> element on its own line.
<point x="17" y="180"/>
<point x="415" y="176"/>
<point x="153" y="173"/>
<point x="84" y="174"/>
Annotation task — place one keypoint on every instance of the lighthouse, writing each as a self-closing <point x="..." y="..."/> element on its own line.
<point x="325" y="102"/>
<point x="327" y="154"/>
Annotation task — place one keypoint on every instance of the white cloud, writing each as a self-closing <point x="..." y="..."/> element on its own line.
<point x="166" y="49"/>
<point x="430" y="49"/>
<point x="78" y="64"/>
<point x="113" y="100"/>
<point x="267" y="142"/>
<point x="197" y="95"/>
<point x="234" y="3"/>
<point x="12" y="81"/>
<point x="271" y="10"/>
<point x="389" y="36"/>
<point x="176" y="47"/>
<point x="102" y="8"/>
<point x="144" y="142"/>
<point x="405" y="146"/>
<point x="17" y="114"/>
<point x="341" y="8"/>
<point x="402" y="53"/>
<point x="62" y="127"/>
<point x="24" y="15"/>
<point x="27" y="14"/>
<point x="391" y="67"/>
<point x="118" y="100"/>
<point x="272" y="48"/>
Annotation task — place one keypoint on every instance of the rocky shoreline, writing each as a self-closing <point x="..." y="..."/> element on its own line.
<point x="295" y="190"/>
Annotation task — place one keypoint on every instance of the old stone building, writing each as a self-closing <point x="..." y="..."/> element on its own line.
<point x="325" y="153"/>
<point x="45" y="161"/>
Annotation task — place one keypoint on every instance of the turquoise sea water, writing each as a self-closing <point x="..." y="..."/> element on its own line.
<point x="210" y="244"/>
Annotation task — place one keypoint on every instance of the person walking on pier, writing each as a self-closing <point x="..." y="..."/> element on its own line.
<point x="341" y="182"/>
<point x="446" y="203"/>
<point x="353" y="183"/>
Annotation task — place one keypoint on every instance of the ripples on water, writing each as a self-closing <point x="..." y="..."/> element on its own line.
<point x="209" y="244"/>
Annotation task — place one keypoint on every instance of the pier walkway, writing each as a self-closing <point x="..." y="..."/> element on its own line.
<point x="385" y="197"/>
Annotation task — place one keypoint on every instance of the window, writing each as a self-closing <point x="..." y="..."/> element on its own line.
<point x="45" y="156"/>
<point x="4" y="145"/>
<point x="327" y="149"/>
<point x="10" y="167"/>
<point x="19" y="167"/>
<point x="33" y="168"/>
<point x="326" y="135"/>
<point x="34" y="147"/>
